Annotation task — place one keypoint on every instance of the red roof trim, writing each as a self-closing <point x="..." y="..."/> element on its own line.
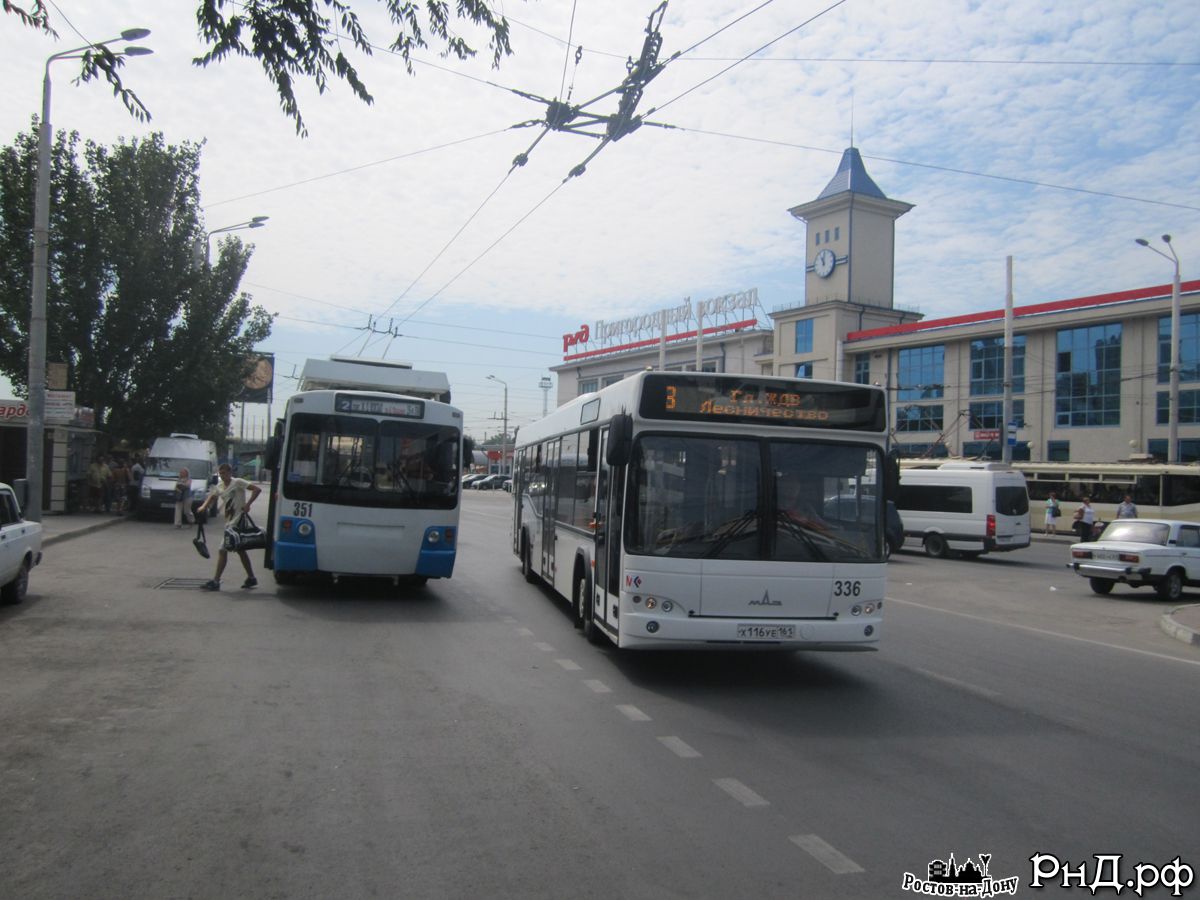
<point x="653" y="342"/>
<point x="1036" y="309"/>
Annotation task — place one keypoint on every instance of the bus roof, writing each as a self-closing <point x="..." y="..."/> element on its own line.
<point x="373" y="375"/>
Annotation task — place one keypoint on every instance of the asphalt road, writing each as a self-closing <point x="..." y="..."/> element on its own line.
<point x="462" y="740"/>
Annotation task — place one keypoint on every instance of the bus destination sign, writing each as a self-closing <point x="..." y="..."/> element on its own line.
<point x="396" y="407"/>
<point x="743" y="399"/>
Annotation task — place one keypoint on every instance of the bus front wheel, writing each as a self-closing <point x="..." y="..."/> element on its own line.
<point x="527" y="561"/>
<point x="587" y="609"/>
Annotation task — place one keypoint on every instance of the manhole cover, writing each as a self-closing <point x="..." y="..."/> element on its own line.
<point x="182" y="584"/>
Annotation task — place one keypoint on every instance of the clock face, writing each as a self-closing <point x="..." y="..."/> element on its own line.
<point x="824" y="263"/>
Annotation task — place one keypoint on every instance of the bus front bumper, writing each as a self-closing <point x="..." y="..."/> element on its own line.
<point x="645" y="630"/>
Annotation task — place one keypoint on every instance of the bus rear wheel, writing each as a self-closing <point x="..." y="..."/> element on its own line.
<point x="526" y="560"/>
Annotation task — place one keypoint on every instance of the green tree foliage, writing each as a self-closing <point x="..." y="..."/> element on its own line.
<point x="304" y="39"/>
<point x="154" y="340"/>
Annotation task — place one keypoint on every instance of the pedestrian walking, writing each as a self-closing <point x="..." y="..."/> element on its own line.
<point x="1127" y="509"/>
<point x="120" y="480"/>
<point x="183" y="498"/>
<point x="229" y="494"/>
<point x="1085" y="518"/>
<point x="1053" y="511"/>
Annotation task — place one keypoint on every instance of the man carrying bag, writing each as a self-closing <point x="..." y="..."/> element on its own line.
<point x="230" y="495"/>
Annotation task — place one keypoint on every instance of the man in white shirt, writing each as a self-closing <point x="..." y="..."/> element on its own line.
<point x="229" y="494"/>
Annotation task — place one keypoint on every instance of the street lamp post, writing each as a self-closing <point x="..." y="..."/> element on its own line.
<point x="545" y="384"/>
<point x="1173" y="395"/>
<point x="200" y="251"/>
<point x="504" y="437"/>
<point x="35" y="437"/>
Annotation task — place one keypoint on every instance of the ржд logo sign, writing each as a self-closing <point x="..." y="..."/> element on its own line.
<point x="579" y="337"/>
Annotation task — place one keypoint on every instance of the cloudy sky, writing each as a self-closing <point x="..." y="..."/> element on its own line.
<point x="1053" y="132"/>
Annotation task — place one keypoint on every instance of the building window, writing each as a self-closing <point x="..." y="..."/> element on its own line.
<point x="611" y="379"/>
<point x="862" y="368"/>
<point x="1058" y="451"/>
<point x="818" y="239"/>
<point x="920" y="374"/>
<point x="1088" y="380"/>
<point x="586" y="387"/>
<point x="987" y="366"/>
<point x="1189" y="407"/>
<point x="1189" y="348"/>
<point x="804" y="370"/>
<point x="837" y="233"/>
<point x="804" y="336"/>
<point x="988" y="415"/>
<point x="827" y="235"/>
<point x="919" y="418"/>
<point x="1189" y="450"/>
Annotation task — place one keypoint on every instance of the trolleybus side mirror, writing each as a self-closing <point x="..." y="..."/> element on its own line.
<point x="891" y="475"/>
<point x="271" y="457"/>
<point x="620" y="440"/>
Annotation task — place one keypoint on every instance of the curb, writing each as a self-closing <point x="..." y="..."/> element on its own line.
<point x="1178" y="631"/>
<point x="47" y="540"/>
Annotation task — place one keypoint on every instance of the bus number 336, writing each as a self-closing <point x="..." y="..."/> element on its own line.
<point x="847" y="588"/>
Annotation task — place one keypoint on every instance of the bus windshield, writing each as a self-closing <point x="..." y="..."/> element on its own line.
<point x="754" y="499"/>
<point x="356" y="461"/>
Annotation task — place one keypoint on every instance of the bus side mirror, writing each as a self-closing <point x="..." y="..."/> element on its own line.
<point x="891" y="475"/>
<point x="468" y="449"/>
<point x="620" y="440"/>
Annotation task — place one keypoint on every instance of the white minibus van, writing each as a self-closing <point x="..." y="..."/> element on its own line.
<point x="167" y="456"/>
<point x="965" y="507"/>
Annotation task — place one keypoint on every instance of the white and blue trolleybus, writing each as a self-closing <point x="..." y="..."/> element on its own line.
<point x="711" y="510"/>
<point x="365" y="483"/>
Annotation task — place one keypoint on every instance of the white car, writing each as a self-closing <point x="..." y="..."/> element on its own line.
<point x="1159" y="553"/>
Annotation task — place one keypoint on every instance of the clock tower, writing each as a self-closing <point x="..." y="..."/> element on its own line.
<point x="850" y="248"/>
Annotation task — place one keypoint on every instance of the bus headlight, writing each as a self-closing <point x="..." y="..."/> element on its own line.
<point x="304" y="529"/>
<point x="433" y="535"/>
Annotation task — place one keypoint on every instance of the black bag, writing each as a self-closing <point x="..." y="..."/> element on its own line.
<point x="180" y="493"/>
<point x="200" y="542"/>
<point x="244" y="535"/>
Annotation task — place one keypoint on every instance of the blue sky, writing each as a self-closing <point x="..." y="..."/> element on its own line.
<point x="1101" y="98"/>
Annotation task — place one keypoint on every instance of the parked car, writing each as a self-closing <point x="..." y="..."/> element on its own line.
<point x="490" y="483"/>
<point x="470" y="480"/>
<point x="1159" y="553"/>
<point x="20" y="547"/>
<point x="507" y="483"/>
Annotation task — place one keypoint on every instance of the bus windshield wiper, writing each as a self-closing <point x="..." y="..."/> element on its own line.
<point x="732" y="530"/>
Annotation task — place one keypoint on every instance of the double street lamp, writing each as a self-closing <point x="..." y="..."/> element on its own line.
<point x="201" y="249"/>
<point x="35" y="439"/>
<point x="504" y="437"/>
<point x="1173" y="396"/>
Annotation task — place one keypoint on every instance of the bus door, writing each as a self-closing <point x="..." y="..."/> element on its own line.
<point x="610" y="497"/>
<point x="549" y="536"/>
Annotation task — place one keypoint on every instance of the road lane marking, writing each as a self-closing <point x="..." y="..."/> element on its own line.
<point x="830" y="858"/>
<point x="525" y="632"/>
<point x="1042" y="631"/>
<point x="569" y="665"/>
<point x="632" y="713"/>
<point x="543" y="646"/>
<point x="598" y="687"/>
<point x="679" y="747"/>
<point x="964" y="685"/>
<point x="740" y="792"/>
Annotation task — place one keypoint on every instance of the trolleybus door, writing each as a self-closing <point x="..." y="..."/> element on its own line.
<point x="549" y="536"/>
<point x="610" y="495"/>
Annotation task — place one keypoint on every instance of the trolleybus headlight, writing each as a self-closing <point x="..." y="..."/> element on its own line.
<point x="651" y="627"/>
<point x="868" y="609"/>
<point x="304" y="529"/>
<point x="869" y="630"/>
<point x="856" y="610"/>
<point x="651" y="603"/>
<point x="433" y="536"/>
<point x="667" y="606"/>
<point x="637" y="598"/>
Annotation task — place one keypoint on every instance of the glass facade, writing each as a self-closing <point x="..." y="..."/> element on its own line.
<point x="1088" y="376"/>
<point x="989" y="414"/>
<point x="987" y="365"/>
<point x="804" y="336"/>
<point x="919" y="418"/>
<point x="804" y="370"/>
<point x="921" y="373"/>
<point x="1189" y="349"/>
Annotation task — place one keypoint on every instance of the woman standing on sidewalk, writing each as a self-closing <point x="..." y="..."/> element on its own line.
<point x="183" y="498"/>
<point x="1085" y="518"/>
<point x="1052" y="511"/>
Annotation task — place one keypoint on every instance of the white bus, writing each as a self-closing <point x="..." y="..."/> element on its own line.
<point x="364" y="483"/>
<point x="706" y="510"/>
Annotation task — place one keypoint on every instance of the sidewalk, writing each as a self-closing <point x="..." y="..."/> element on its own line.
<point x="57" y="528"/>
